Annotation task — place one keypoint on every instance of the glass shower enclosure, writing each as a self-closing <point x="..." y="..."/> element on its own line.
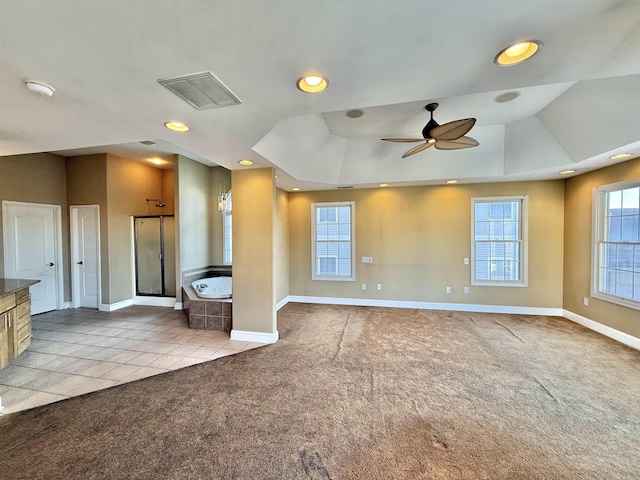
<point x="155" y="255"/>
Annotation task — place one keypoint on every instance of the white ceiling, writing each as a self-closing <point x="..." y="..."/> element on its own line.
<point x="579" y="102"/>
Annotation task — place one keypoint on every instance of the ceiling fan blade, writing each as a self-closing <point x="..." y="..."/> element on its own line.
<point x="417" y="149"/>
<point x="462" y="142"/>
<point x="452" y="130"/>
<point x="403" y="140"/>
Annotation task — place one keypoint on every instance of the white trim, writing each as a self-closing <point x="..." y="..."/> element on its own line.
<point x="605" y="330"/>
<point x="352" y="241"/>
<point x="258" y="337"/>
<point x="456" y="307"/>
<point x="282" y="303"/>
<point x="1" y="407"/>
<point x="523" y="224"/>
<point x="154" y="301"/>
<point x="178" y="306"/>
<point x="110" y="307"/>
<point x="67" y="305"/>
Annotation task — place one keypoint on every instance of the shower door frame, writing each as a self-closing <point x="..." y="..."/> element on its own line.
<point x="162" y="258"/>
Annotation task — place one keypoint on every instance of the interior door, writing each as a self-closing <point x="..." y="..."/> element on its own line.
<point x="31" y="250"/>
<point x="85" y="255"/>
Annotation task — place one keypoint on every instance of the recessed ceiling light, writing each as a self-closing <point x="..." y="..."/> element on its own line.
<point x="619" y="156"/>
<point x="157" y="161"/>
<point x="150" y="143"/>
<point x="452" y="181"/>
<point x="506" y="97"/>
<point x="516" y="53"/>
<point x="357" y="113"/>
<point x="296" y="189"/>
<point x="312" y="83"/>
<point x="176" y="126"/>
<point x="246" y="163"/>
<point x="39" y="88"/>
<point x="383" y="185"/>
<point x="567" y="172"/>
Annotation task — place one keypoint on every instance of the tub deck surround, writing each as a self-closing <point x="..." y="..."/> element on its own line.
<point x="213" y="287"/>
<point x="206" y="314"/>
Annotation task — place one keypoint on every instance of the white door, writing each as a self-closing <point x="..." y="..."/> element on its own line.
<point x="32" y="250"/>
<point x="85" y="255"/>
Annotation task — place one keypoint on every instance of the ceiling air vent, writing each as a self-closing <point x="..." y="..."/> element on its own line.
<point x="201" y="90"/>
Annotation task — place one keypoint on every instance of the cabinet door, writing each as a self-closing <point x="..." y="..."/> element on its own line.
<point x="4" y="341"/>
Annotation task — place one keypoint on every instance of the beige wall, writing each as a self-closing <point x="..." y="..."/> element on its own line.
<point x="37" y="178"/>
<point x="129" y="184"/>
<point x="195" y="207"/>
<point x="578" y="232"/>
<point x="254" y="210"/>
<point x="87" y="185"/>
<point x="281" y="245"/>
<point x="418" y="238"/>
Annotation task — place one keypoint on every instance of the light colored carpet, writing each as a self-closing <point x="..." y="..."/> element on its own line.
<point x="359" y="393"/>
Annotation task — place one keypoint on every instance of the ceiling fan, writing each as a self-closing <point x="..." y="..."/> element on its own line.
<point x="450" y="136"/>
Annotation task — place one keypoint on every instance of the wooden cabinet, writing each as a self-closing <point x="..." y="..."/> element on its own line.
<point x="15" y="325"/>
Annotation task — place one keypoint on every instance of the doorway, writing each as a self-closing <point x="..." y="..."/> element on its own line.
<point x="155" y="267"/>
<point x="85" y="255"/>
<point x="32" y="235"/>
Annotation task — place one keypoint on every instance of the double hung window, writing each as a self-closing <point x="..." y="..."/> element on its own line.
<point x="616" y="244"/>
<point x="332" y="241"/>
<point x="499" y="241"/>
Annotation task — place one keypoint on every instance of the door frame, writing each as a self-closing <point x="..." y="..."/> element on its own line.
<point x="57" y="240"/>
<point x="75" y="270"/>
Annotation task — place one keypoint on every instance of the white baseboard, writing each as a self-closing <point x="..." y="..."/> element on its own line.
<point x="154" y="301"/>
<point x="66" y="305"/>
<point x="457" y="307"/>
<point x="178" y="306"/>
<point x="258" y="337"/>
<point x="282" y="303"/>
<point x="110" y="307"/>
<point x="605" y="330"/>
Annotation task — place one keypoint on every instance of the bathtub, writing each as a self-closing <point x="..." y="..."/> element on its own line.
<point x="213" y="287"/>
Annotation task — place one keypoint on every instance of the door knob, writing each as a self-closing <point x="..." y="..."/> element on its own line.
<point x="50" y="265"/>
<point x="80" y="262"/>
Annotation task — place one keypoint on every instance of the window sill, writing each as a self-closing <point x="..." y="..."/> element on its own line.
<point x="623" y="302"/>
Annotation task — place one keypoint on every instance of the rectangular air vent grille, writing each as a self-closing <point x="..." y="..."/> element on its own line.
<point x="201" y="90"/>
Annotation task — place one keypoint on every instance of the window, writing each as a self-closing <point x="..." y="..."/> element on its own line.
<point x="332" y="241"/>
<point x="499" y="241"/>
<point x="227" y="229"/>
<point x="616" y="245"/>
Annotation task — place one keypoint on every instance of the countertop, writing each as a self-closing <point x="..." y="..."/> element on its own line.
<point x="12" y="285"/>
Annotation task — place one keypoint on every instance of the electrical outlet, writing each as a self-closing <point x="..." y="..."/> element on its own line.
<point x="367" y="259"/>
<point x="466" y="261"/>
<point x="465" y="289"/>
<point x="586" y="301"/>
<point x="379" y="286"/>
<point x="447" y="289"/>
<point x="364" y="286"/>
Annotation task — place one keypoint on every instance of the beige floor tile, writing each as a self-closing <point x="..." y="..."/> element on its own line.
<point x="235" y="345"/>
<point x="58" y="363"/>
<point x="33" y="359"/>
<point x="66" y="386"/>
<point x="165" y="361"/>
<point x="216" y="341"/>
<point x="123" y="356"/>
<point x="252" y="345"/>
<point x="78" y="366"/>
<point x="184" y="350"/>
<point x="92" y="385"/>
<point x="143" y="359"/>
<point x="223" y="352"/>
<point x="45" y="379"/>
<point x="120" y="372"/>
<point x="98" y="369"/>
<point x="17" y="376"/>
<point x="161" y="347"/>
<point x="33" y="400"/>
<point x="186" y="362"/>
<point x="144" y="372"/>
<point x="203" y="352"/>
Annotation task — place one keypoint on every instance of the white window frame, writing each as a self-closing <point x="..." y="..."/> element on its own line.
<point x="227" y="232"/>
<point x="597" y="237"/>
<point x="524" y="242"/>
<point x="314" y="273"/>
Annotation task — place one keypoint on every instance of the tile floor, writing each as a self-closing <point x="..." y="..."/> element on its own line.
<point x="81" y="350"/>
